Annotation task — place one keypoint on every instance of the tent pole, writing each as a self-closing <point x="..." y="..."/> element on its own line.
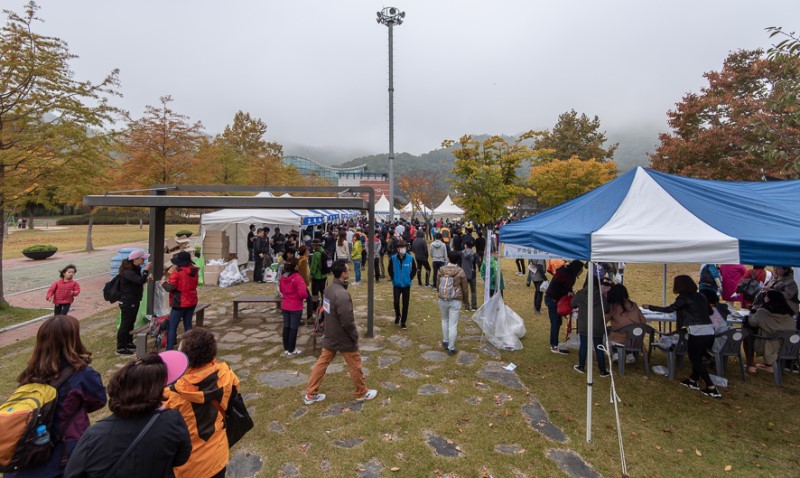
<point x="664" y="295"/>
<point x="589" y="353"/>
<point x="487" y="259"/>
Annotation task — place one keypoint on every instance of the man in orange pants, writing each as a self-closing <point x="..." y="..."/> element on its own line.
<point x="340" y="336"/>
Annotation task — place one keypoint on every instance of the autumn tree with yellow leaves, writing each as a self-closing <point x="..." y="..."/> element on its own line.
<point x="558" y="181"/>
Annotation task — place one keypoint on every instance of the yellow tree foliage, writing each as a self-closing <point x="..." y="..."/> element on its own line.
<point x="556" y="182"/>
<point x="422" y="188"/>
<point x="486" y="174"/>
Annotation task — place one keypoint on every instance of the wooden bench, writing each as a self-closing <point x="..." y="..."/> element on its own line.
<point x="269" y="299"/>
<point x="141" y="334"/>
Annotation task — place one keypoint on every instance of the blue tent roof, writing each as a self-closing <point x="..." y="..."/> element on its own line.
<point x="647" y="216"/>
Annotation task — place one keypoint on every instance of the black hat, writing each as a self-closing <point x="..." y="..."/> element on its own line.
<point x="182" y="259"/>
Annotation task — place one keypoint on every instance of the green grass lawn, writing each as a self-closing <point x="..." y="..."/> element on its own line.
<point x="15" y="315"/>
<point x="667" y="429"/>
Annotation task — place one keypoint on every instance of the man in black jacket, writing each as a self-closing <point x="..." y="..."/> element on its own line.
<point x="420" y="250"/>
<point x="260" y="254"/>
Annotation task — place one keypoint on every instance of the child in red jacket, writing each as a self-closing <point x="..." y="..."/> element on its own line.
<point x="63" y="291"/>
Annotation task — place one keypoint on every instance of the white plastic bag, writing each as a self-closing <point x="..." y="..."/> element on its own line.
<point x="618" y="278"/>
<point x="544" y="286"/>
<point x="231" y="275"/>
<point x="573" y="342"/>
<point x="501" y="325"/>
<point x="161" y="303"/>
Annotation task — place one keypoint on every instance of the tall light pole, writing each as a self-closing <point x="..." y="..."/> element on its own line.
<point x="390" y="17"/>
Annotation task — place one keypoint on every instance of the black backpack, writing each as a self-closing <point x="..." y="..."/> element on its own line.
<point x="326" y="263"/>
<point x="112" y="291"/>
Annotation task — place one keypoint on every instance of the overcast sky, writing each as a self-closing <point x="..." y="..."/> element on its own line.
<point x="316" y="71"/>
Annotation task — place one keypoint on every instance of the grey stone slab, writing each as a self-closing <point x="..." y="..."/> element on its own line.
<point x="288" y="470"/>
<point x="471" y="329"/>
<point x="494" y="371"/>
<point x="252" y="361"/>
<point x="410" y="373"/>
<point x="400" y="341"/>
<point x="390" y="386"/>
<point x="274" y="350"/>
<point x="469" y="338"/>
<point x="232" y="358"/>
<point x="517" y="473"/>
<point x="244" y="465"/>
<point x="252" y="341"/>
<point x="303" y="339"/>
<point x="474" y="400"/>
<point x="429" y="389"/>
<point x="481" y="386"/>
<point x="501" y="398"/>
<point x="431" y="368"/>
<point x="349" y="443"/>
<point x="339" y="408"/>
<point x="306" y="360"/>
<point x="442" y="446"/>
<point x="384" y="362"/>
<point x="370" y="347"/>
<point x="371" y="469"/>
<point x="509" y="449"/>
<point x="537" y="418"/>
<point x="261" y="335"/>
<point x="335" y="368"/>
<point x="434" y="356"/>
<point x="243" y="373"/>
<point x="391" y="352"/>
<point x="282" y="378"/>
<point x="466" y="359"/>
<point x="233" y="337"/>
<point x="423" y="346"/>
<point x="325" y="465"/>
<point x="489" y="349"/>
<point x="572" y="464"/>
<point x="276" y="427"/>
<point x="250" y="396"/>
<point x="299" y="412"/>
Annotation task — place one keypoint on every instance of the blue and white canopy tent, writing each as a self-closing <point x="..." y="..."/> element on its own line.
<point x="651" y="217"/>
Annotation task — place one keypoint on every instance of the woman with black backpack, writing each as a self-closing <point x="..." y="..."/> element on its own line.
<point x="132" y="281"/>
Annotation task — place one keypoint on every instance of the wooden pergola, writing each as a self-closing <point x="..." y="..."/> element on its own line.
<point x="184" y="196"/>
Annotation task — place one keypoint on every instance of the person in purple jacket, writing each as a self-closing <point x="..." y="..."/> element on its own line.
<point x="58" y="350"/>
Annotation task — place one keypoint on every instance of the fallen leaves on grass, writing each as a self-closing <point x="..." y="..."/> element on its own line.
<point x="698" y="452"/>
<point x="728" y="467"/>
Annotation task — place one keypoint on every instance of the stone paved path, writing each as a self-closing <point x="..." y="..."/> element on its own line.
<point x="475" y="366"/>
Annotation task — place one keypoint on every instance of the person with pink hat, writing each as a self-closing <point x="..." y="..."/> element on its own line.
<point x="132" y="280"/>
<point x="140" y="438"/>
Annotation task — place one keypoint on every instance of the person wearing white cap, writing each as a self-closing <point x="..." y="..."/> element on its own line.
<point x="132" y="281"/>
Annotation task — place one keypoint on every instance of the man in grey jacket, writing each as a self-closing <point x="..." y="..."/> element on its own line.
<point x="439" y="256"/>
<point x="341" y="336"/>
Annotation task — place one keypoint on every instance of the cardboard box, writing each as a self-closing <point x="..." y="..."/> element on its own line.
<point x="170" y="244"/>
<point x="211" y="278"/>
<point x="217" y="269"/>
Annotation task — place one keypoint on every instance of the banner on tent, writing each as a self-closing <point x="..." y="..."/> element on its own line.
<point x="523" y="252"/>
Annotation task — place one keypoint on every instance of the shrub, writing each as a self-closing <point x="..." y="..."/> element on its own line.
<point x="184" y="232"/>
<point x="40" y="248"/>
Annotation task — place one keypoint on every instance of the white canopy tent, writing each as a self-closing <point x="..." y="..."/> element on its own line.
<point x="409" y="210"/>
<point x="382" y="208"/>
<point x="236" y="222"/>
<point x="448" y="209"/>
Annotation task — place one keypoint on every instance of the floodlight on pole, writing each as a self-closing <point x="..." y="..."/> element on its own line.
<point x="391" y="16"/>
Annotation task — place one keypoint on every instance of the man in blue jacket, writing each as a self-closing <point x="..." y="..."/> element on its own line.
<point x="402" y="270"/>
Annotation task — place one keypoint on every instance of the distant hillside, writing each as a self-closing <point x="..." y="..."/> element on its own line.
<point x="634" y="147"/>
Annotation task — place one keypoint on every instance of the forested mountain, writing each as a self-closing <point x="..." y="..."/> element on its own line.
<point x="634" y="146"/>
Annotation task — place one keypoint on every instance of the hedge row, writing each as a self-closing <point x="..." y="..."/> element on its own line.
<point x="107" y="219"/>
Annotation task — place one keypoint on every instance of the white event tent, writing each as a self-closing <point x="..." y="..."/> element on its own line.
<point x="382" y="208"/>
<point x="409" y="210"/>
<point x="448" y="209"/>
<point x="236" y="222"/>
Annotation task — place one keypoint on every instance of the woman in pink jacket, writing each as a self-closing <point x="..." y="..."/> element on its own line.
<point x="293" y="292"/>
<point x="63" y="291"/>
